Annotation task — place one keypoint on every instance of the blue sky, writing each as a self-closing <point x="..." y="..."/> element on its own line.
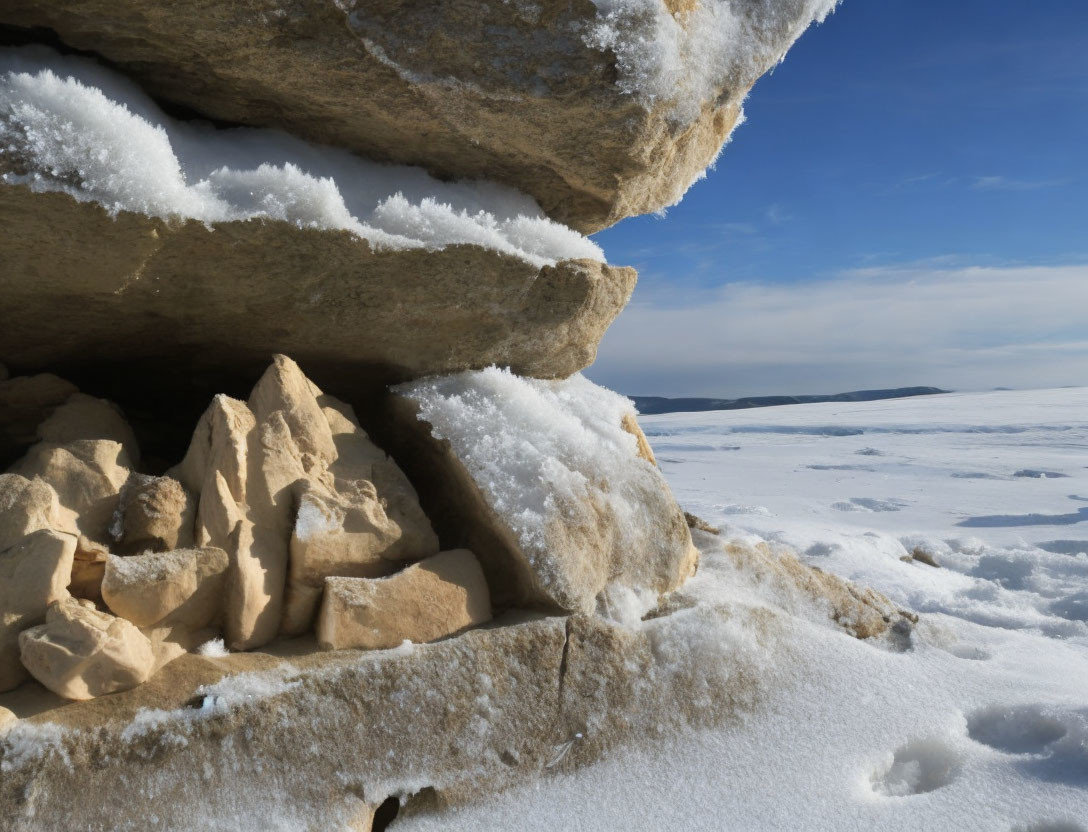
<point x="925" y="162"/>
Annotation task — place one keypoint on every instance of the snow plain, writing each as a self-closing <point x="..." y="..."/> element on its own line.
<point x="981" y="724"/>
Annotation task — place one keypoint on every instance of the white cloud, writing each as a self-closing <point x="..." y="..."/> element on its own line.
<point x="1004" y="183"/>
<point x="959" y="327"/>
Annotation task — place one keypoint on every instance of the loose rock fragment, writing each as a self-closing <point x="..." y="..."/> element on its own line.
<point x="181" y="587"/>
<point x="429" y="600"/>
<point x="154" y="514"/>
<point x="87" y="475"/>
<point x="294" y="490"/>
<point x="81" y="653"/>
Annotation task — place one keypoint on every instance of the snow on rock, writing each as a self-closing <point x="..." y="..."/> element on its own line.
<point x="568" y="505"/>
<point x="686" y="53"/>
<point x="69" y="125"/>
<point x="598" y="110"/>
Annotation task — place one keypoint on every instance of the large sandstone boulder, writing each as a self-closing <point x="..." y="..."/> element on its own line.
<point x="182" y="587"/>
<point x="542" y="481"/>
<point x="80" y="285"/>
<point x="454" y="719"/>
<point x="599" y="110"/>
<point x="294" y="490"/>
<point x="81" y="653"/>
<point x="33" y="574"/>
<point x="432" y="599"/>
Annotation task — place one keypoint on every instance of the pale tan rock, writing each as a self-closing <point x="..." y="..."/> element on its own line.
<point x="860" y="611"/>
<point x="7" y="718"/>
<point x="580" y="546"/>
<point x="429" y="600"/>
<point x="155" y="514"/>
<point x="465" y="716"/>
<point x="25" y="402"/>
<point x="293" y="489"/>
<point x="26" y="505"/>
<point x="630" y="424"/>
<point x="83" y="417"/>
<point x="531" y="95"/>
<point x="217" y="302"/>
<point x="81" y="653"/>
<point x="88" y="569"/>
<point x="87" y="475"/>
<point x="33" y="574"/>
<point x="183" y="586"/>
<point x="359" y="519"/>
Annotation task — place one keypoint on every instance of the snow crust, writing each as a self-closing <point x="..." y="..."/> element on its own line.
<point x="979" y="724"/>
<point x="689" y="58"/>
<point x="70" y="125"/>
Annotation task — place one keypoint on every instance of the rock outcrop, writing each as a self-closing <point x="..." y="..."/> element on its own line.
<point x="544" y="483"/>
<point x="527" y="696"/>
<point x="512" y="591"/>
<point x="82" y="286"/>
<point x="599" y="110"/>
<point x="437" y="597"/>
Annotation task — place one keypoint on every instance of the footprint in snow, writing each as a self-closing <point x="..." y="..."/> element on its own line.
<point x="1051" y="826"/>
<point x="1020" y="729"/>
<point x="1050" y="744"/>
<point x="969" y="652"/>
<point x="1036" y="474"/>
<point x="918" y="767"/>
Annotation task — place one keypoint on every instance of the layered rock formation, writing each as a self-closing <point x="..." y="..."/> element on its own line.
<point x="466" y="572"/>
<point x="599" y="110"/>
<point x="89" y="286"/>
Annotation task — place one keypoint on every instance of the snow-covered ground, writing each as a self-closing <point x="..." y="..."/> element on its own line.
<point x="993" y="485"/>
<point x="981" y="725"/>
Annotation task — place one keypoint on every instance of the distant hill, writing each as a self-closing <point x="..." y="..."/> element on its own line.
<point x="660" y="404"/>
